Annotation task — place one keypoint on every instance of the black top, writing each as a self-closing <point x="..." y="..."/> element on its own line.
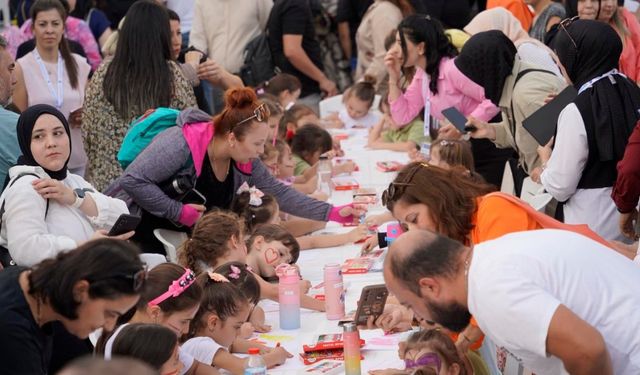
<point x="294" y="17"/>
<point x="25" y="348"/>
<point x="218" y="193"/>
<point x="352" y="11"/>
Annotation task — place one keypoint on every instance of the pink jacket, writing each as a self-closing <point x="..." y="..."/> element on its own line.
<point x="454" y="90"/>
<point x="630" y="57"/>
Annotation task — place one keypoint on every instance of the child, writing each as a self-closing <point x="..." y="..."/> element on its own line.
<point x="309" y="142"/>
<point x="430" y="349"/>
<point x="285" y="169"/>
<point x="283" y="86"/>
<point x="387" y="135"/>
<point x="357" y="101"/>
<point x="275" y="114"/>
<point x="270" y="158"/>
<point x="152" y="344"/>
<point x="445" y="153"/>
<point x="216" y="325"/>
<point x="294" y="118"/>
<point x="217" y="238"/>
<point x="162" y="303"/>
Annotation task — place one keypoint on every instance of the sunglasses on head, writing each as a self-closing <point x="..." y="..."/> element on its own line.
<point x="426" y="360"/>
<point x="566" y="23"/>
<point x="260" y="114"/>
<point x="396" y="189"/>
<point x="138" y="278"/>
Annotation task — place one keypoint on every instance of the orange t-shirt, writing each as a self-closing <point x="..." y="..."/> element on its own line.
<point x="494" y="218"/>
<point x="518" y="8"/>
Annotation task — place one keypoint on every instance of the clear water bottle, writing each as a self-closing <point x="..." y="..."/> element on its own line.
<point x="255" y="364"/>
<point x="324" y="175"/>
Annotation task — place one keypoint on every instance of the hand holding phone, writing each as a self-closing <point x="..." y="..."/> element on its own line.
<point x="371" y="304"/>
<point x="456" y="118"/>
<point x="125" y="223"/>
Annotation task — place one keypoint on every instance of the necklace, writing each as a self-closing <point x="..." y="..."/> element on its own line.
<point x="213" y="165"/>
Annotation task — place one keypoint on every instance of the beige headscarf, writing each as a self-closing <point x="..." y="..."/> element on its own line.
<point x="501" y="19"/>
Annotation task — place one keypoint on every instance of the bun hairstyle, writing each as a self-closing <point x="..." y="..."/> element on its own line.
<point x="240" y="275"/>
<point x="153" y="344"/>
<point x="279" y="83"/>
<point x="254" y="215"/>
<point x="439" y="343"/>
<point x="364" y="90"/>
<point x="275" y="232"/>
<point x="209" y="240"/>
<point x="240" y="104"/>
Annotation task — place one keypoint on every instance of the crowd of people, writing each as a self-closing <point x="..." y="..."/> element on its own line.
<point x="202" y="117"/>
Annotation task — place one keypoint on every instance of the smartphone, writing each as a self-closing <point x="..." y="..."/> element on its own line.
<point x="193" y="196"/>
<point x="125" y="223"/>
<point x="372" y="300"/>
<point x="456" y="118"/>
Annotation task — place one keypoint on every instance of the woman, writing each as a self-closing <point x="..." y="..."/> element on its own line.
<point x="213" y="159"/>
<point x="51" y="74"/>
<point x="623" y="22"/>
<point x="48" y="210"/>
<point x="518" y="88"/>
<point x="422" y="43"/>
<point x="140" y="76"/>
<point x="83" y="290"/>
<point x="381" y="18"/>
<point x="75" y="30"/>
<point x="626" y="190"/>
<point x="593" y="130"/>
<point x="529" y="49"/>
<point x="547" y="14"/>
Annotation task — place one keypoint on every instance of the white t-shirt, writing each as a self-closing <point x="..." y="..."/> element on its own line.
<point x="186" y="359"/>
<point x="517" y="282"/>
<point x="184" y="9"/>
<point x="368" y="121"/>
<point x="202" y="348"/>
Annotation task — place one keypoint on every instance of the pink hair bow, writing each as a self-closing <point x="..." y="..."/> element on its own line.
<point x="255" y="195"/>
<point x="235" y="272"/>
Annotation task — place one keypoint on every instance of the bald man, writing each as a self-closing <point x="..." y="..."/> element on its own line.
<point x="557" y="300"/>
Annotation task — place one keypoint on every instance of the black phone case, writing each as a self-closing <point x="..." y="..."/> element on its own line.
<point x="372" y="301"/>
<point x="456" y="118"/>
<point x="125" y="223"/>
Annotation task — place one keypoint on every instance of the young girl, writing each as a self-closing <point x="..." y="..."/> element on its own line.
<point x="283" y="86"/>
<point x="257" y="208"/>
<point x="294" y="118"/>
<point x="275" y="114"/>
<point x="429" y="348"/>
<point x="285" y="169"/>
<point x="309" y="142"/>
<point x="387" y="135"/>
<point x="217" y="323"/>
<point x="171" y="299"/>
<point x="270" y="158"/>
<point x="357" y="100"/>
<point x="217" y="238"/>
<point x="152" y="344"/>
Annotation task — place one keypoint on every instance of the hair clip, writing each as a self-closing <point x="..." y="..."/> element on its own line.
<point x="235" y="272"/>
<point x="260" y="91"/>
<point x="445" y="142"/>
<point x="176" y="288"/>
<point x="255" y="195"/>
<point x="216" y="277"/>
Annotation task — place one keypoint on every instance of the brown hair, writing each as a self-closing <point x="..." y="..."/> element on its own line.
<point x="240" y="104"/>
<point x="281" y="146"/>
<point x="279" y="83"/>
<point x="440" y="343"/>
<point x="449" y="195"/>
<point x="269" y="151"/>
<point x="275" y="109"/>
<point x="454" y="153"/>
<point x="70" y="63"/>
<point x="251" y="215"/>
<point x="275" y="232"/>
<point x="292" y="116"/>
<point x="364" y="90"/>
<point x="209" y="239"/>
<point x="245" y="279"/>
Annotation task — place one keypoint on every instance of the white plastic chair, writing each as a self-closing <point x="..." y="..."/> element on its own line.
<point x="152" y="260"/>
<point x="533" y="193"/>
<point x="171" y="240"/>
<point x="508" y="186"/>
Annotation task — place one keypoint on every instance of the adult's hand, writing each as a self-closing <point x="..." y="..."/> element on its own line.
<point x="627" y="224"/>
<point x="49" y="188"/>
<point x="328" y="87"/>
<point x="480" y="129"/>
<point x="210" y="71"/>
<point x="448" y="131"/>
<point x="393" y="64"/>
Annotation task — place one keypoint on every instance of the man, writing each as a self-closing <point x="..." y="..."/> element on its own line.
<point x="9" y="150"/>
<point x="557" y="300"/>
<point x="296" y="50"/>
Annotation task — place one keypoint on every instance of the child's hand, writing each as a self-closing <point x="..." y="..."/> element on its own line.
<point x="347" y="166"/>
<point x="257" y="320"/>
<point x="369" y="245"/>
<point x="416" y="155"/>
<point x="358" y="233"/>
<point x="305" y="285"/>
<point x="276" y="357"/>
<point x="246" y="330"/>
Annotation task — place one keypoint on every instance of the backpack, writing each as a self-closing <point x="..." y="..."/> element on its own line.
<point x="258" y="64"/>
<point x="142" y="132"/>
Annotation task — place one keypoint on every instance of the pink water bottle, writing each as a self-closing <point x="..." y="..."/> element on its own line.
<point x="351" y="339"/>
<point x="333" y="292"/>
<point x="289" y="296"/>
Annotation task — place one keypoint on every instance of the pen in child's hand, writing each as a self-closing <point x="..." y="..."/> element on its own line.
<point x="277" y="345"/>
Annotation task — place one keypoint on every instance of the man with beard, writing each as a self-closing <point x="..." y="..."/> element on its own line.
<point x="557" y="300"/>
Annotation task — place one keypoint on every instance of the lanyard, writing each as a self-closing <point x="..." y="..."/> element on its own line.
<point x="59" y="95"/>
<point x="426" y="95"/>
<point x="589" y="84"/>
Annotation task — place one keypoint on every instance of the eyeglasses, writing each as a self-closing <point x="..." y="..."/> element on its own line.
<point x="566" y="23"/>
<point x="429" y="359"/>
<point x="260" y="114"/>
<point x="396" y="189"/>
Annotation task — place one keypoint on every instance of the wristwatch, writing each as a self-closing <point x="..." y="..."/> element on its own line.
<point x="80" y="194"/>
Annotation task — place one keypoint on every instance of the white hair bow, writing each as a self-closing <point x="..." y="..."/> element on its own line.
<point x="255" y="195"/>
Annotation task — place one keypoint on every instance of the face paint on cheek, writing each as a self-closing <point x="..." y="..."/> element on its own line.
<point x="271" y="256"/>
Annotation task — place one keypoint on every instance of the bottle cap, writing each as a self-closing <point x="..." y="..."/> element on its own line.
<point x="350" y="327"/>
<point x="254" y="351"/>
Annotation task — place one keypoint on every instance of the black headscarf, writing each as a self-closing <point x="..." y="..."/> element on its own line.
<point x="24" y="130"/>
<point x="610" y="107"/>
<point x="487" y="59"/>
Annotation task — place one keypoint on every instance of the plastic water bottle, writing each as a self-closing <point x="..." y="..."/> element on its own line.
<point x="333" y="292"/>
<point x="289" y="297"/>
<point x="255" y="364"/>
<point x="324" y="175"/>
<point x="351" y="339"/>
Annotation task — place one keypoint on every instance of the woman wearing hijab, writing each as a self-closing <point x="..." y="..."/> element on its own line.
<point x="529" y="49"/>
<point x="593" y="130"/>
<point x="489" y="59"/>
<point x="47" y="209"/>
